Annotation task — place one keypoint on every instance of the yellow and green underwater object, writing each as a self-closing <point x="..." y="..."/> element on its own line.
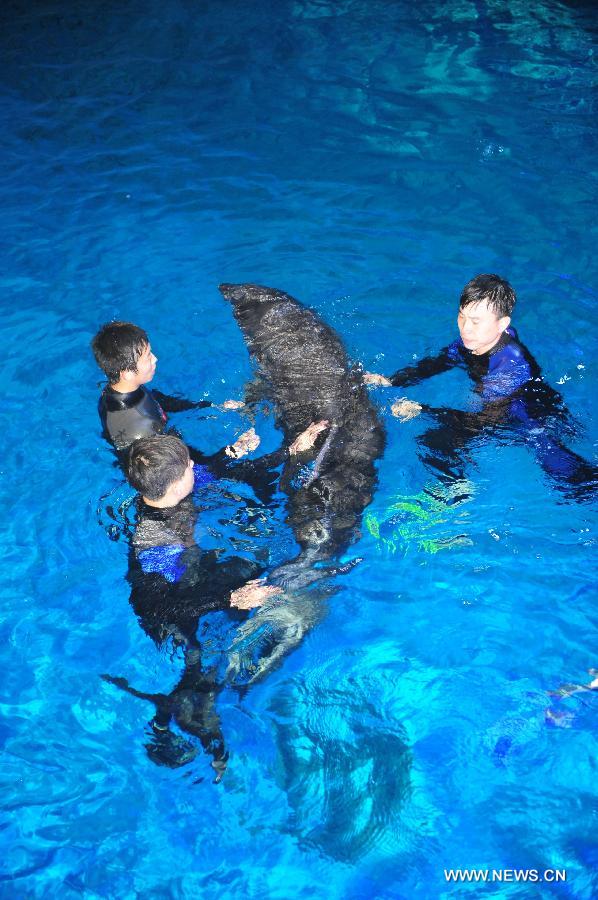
<point x="415" y="520"/>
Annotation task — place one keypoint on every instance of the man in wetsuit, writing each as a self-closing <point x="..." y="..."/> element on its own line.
<point x="129" y="410"/>
<point x="511" y="393"/>
<point x="174" y="583"/>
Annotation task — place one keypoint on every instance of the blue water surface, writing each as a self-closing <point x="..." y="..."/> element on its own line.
<point x="369" y="158"/>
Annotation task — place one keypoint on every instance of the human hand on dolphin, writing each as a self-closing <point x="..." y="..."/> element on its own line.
<point x="233" y="404"/>
<point x="253" y="594"/>
<point x="307" y="438"/>
<point x="372" y="378"/>
<point x="405" y="409"/>
<point x="244" y="444"/>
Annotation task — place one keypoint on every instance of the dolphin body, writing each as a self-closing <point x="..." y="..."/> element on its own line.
<point x="304" y="370"/>
<point x="307" y="375"/>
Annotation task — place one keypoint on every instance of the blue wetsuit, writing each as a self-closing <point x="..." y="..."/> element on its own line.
<point x="512" y="396"/>
<point x="497" y="374"/>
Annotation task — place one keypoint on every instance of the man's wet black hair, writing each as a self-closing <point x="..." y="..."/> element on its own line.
<point x="498" y="294"/>
<point x="117" y="347"/>
<point x="155" y="463"/>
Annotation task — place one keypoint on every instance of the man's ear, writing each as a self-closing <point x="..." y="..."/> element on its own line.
<point x="128" y="375"/>
<point x="179" y="491"/>
<point x="504" y="322"/>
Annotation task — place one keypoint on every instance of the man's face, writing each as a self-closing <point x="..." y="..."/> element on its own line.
<point x="146" y="366"/>
<point x="479" y="327"/>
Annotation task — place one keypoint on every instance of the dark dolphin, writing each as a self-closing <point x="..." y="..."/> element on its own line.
<point x="307" y="375"/>
<point x="304" y="370"/>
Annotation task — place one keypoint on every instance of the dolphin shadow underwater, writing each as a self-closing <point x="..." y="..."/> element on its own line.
<point x="305" y="374"/>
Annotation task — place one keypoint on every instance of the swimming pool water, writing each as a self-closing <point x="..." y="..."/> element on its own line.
<point x="368" y="158"/>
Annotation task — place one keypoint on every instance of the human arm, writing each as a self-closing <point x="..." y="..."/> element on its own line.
<point x="260" y="474"/>
<point x="424" y="368"/>
<point x="490" y="414"/>
<point x="508" y="370"/>
<point x="244" y="444"/>
<point x="233" y="582"/>
<point x="404" y="410"/>
<point x="250" y="440"/>
<point x="173" y="404"/>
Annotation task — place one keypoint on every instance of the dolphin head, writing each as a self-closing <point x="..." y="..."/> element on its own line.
<point x="232" y="292"/>
<point x="264" y="314"/>
<point x="247" y="295"/>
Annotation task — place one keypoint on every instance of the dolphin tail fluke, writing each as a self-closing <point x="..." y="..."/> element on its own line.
<point x="270" y="635"/>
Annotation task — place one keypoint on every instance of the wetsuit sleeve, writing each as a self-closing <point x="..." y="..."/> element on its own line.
<point x="220" y="461"/>
<point x="426" y="368"/>
<point x="492" y="413"/>
<point x="179" y="404"/>
<point x="216" y="462"/>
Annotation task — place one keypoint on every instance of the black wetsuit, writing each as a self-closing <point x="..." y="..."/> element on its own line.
<point x="512" y="396"/>
<point x="174" y="581"/>
<point x="138" y="414"/>
<point x="142" y="413"/>
<point x="173" y="585"/>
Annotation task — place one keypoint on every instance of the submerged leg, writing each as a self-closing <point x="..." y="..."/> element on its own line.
<point x="445" y="450"/>
<point x="571" y="473"/>
<point x="192" y="705"/>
